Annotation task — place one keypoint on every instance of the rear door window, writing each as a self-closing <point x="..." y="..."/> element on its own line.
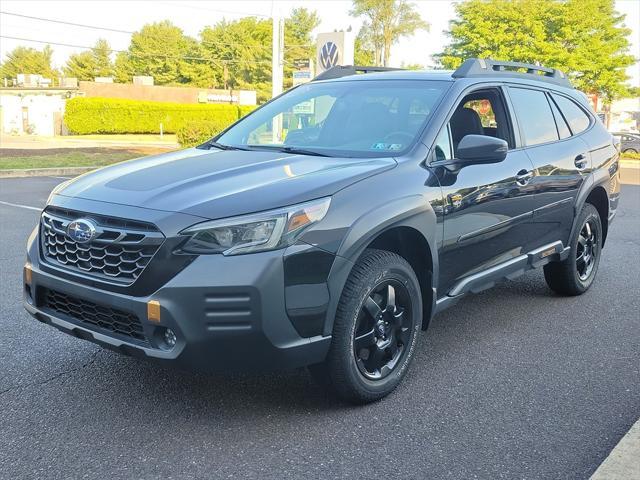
<point x="576" y="117"/>
<point x="534" y="116"/>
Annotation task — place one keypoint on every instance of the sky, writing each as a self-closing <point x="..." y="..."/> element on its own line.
<point x="193" y="15"/>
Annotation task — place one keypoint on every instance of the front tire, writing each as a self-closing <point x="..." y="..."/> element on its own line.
<point x="375" y="329"/>
<point x="575" y="274"/>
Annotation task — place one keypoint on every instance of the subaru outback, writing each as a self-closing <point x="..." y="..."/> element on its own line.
<point x="326" y="228"/>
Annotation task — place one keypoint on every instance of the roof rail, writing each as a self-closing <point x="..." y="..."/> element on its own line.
<point x="478" y="67"/>
<point x="345" y="70"/>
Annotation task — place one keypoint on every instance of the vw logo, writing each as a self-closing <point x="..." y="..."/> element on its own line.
<point x="81" y="230"/>
<point x="329" y="55"/>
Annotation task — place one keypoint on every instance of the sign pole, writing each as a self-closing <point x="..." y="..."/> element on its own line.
<point x="277" y="73"/>
<point x="277" y="69"/>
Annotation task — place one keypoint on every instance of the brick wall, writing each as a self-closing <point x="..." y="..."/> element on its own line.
<point x="157" y="93"/>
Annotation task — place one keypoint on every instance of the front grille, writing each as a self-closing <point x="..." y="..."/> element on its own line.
<point x="93" y="315"/>
<point x="120" y="250"/>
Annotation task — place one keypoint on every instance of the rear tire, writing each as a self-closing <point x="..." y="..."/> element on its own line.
<point x="575" y="274"/>
<point x="375" y="329"/>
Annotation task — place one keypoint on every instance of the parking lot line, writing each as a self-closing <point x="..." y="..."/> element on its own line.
<point x="20" y="206"/>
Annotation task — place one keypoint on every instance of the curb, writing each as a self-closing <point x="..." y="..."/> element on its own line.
<point x="623" y="463"/>
<point x="45" y="172"/>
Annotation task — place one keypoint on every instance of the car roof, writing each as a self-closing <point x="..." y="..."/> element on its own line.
<point x="400" y="75"/>
<point x="446" y="75"/>
<point x="473" y="70"/>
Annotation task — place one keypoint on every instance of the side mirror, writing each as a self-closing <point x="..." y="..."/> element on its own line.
<point x="481" y="149"/>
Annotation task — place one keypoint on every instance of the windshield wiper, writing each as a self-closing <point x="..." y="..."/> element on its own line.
<point x="301" y="151"/>
<point x="222" y="146"/>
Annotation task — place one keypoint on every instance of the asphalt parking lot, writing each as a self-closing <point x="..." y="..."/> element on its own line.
<point x="513" y="383"/>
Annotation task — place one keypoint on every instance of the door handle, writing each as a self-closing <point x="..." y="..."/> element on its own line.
<point x="523" y="177"/>
<point x="580" y="161"/>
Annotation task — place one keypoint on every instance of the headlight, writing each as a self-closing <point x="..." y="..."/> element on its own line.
<point x="255" y="232"/>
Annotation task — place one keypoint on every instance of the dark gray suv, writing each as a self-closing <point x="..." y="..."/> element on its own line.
<point x="327" y="228"/>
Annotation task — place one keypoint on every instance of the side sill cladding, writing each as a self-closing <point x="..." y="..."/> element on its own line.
<point x="505" y="271"/>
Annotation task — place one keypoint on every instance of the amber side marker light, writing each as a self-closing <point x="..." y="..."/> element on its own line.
<point x="153" y="310"/>
<point x="27" y="274"/>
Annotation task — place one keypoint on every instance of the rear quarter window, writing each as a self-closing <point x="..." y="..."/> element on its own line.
<point x="577" y="119"/>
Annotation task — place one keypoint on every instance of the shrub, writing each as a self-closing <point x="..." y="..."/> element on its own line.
<point x="199" y="131"/>
<point x="245" y="109"/>
<point x="631" y="156"/>
<point x="115" y="115"/>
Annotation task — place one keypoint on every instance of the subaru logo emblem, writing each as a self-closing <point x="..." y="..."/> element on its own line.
<point x="81" y="230"/>
<point x="329" y="55"/>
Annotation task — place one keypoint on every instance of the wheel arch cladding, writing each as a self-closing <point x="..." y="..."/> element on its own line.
<point x="600" y="200"/>
<point x="411" y="211"/>
<point x="411" y="245"/>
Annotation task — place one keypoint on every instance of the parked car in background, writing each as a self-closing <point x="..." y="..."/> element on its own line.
<point x="629" y="142"/>
<point x="326" y="228"/>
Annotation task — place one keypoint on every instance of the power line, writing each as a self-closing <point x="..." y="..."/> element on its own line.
<point x="129" y="32"/>
<point x="109" y="29"/>
<point x="62" y="22"/>
<point x="245" y="14"/>
<point x="219" y="61"/>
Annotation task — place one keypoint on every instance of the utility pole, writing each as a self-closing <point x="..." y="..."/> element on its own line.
<point x="277" y="59"/>
<point x="277" y="69"/>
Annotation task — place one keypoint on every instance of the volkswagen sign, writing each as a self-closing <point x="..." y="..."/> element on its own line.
<point x="329" y="55"/>
<point x="333" y="49"/>
<point x="81" y="230"/>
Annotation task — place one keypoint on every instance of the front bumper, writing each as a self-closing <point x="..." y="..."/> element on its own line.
<point x="228" y="314"/>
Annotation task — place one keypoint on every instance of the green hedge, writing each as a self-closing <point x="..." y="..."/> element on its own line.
<point x="246" y="109"/>
<point x="197" y="132"/>
<point x="115" y="115"/>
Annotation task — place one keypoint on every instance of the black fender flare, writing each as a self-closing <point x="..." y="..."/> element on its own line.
<point x="412" y="211"/>
<point x="597" y="178"/>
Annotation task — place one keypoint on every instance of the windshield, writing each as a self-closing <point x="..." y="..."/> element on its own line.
<point x="347" y="118"/>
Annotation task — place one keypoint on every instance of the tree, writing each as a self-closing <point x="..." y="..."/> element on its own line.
<point x="241" y="50"/>
<point x="30" y="61"/>
<point x="364" y="51"/>
<point x="161" y="50"/>
<point x="91" y="64"/>
<point x="298" y="43"/>
<point x="122" y="68"/>
<point x="584" y="38"/>
<point x="386" y="22"/>
<point x="241" y="53"/>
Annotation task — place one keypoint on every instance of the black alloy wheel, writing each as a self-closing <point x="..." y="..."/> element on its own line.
<point x="575" y="274"/>
<point x="587" y="249"/>
<point x="383" y="330"/>
<point x="375" y="329"/>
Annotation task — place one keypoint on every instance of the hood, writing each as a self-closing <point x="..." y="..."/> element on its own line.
<point x="221" y="183"/>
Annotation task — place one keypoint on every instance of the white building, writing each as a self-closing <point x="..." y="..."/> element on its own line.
<point x="625" y="115"/>
<point x="33" y="110"/>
